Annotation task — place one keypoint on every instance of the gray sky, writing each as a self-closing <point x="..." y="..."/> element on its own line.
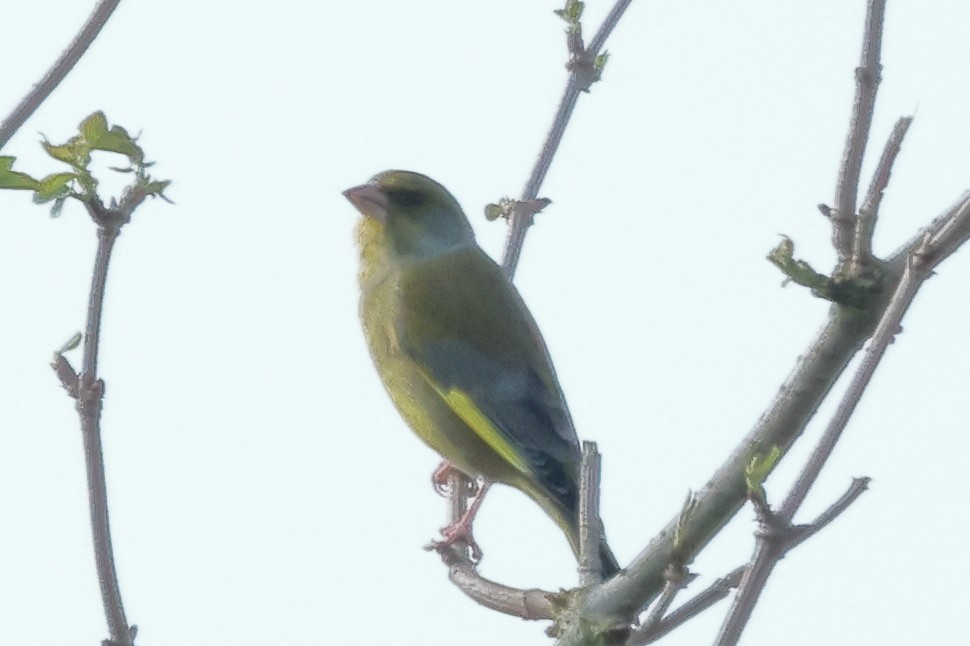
<point x="263" y="489"/>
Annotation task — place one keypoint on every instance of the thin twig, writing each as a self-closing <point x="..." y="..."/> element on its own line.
<point x="856" y="489"/>
<point x="776" y="537"/>
<point x="945" y="235"/>
<point x="59" y="71"/>
<point x="888" y="326"/>
<point x="695" y="606"/>
<point x="609" y="23"/>
<point x="88" y="392"/>
<point x="590" y="528"/>
<point x="868" y="75"/>
<point x="652" y="631"/>
<point x="678" y="578"/>
<point x="799" y="397"/>
<point x="581" y="61"/>
<point x="869" y="211"/>
<point x="532" y="604"/>
<point x="89" y="408"/>
<point x="766" y="556"/>
<point x="720" y="499"/>
<point x="459" y="488"/>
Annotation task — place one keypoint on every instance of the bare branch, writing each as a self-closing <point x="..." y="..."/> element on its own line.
<point x="580" y="66"/>
<point x="59" y="71"/>
<point x="766" y="556"/>
<point x="590" y="526"/>
<point x="695" y="606"/>
<point x="650" y="632"/>
<point x="868" y="75"/>
<point x="88" y="392"/>
<point x="869" y="211"/>
<point x="66" y="374"/>
<point x="886" y="329"/>
<point x="678" y="578"/>
<point x="776" y="537"/>
<point x="856" y="489"/>
<point x="944" y="235"/>
<point x="720" y="499"/>
<point x="89" y="403"/>
<point x="611" y="20"/>
<point x="528" y="604"/>
<point x="459" y="488"/>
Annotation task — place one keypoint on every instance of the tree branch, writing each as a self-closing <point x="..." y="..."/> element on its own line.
<point x="528" y="604"/>
<point x="869" y="212"/>
<point x="721" y="498"/>
<point x="88" y="392"/>
<point x="868" y="76"/>
<point x="581" y="76"/>
<point x="776" y="537"/>
<point x="57" y="73"/>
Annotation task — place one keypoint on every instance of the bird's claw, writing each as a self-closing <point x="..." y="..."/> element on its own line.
<point x="442" y="476"/>
<point x="458" y="537"/>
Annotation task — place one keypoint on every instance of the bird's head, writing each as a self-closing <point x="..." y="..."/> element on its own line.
<point x="418" y="217"/>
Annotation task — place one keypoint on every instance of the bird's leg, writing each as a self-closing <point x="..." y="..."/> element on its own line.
<point x="460" y="531"/>
<point x="440" y="480"/>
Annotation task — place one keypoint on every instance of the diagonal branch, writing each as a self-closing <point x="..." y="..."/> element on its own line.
<point x="580" y="77"/>
<point x="532" y="604"/>
<point x="721" y="588"/>
<point x="776" y="537"/>
<point x="902" y="298"/>
<point x="87" y="389"/>
<point x="868" y="75"/>
<point x="869" y="211"/>
<point x="695" y="606"/>
<point x="944" y="236"/>
<point x="720" y="499"/>
<point x="59" y="71"/>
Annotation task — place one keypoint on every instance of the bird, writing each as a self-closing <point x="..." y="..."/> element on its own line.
<point x="458" y="351"/>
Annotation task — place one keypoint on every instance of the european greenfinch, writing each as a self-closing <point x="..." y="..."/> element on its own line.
<point x="458" y="351"/>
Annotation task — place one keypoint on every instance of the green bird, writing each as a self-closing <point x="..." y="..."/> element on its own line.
<point x="458" y="351"/>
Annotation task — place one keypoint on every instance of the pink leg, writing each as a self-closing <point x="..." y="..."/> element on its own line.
<point x="461" y="531"/>
<point x="440" y="476"/>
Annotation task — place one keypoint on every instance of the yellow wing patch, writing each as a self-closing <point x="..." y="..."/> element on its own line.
<point x="469" y="412"/>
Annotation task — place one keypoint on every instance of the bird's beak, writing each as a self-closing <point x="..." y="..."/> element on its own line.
<point x="369" y="200"/>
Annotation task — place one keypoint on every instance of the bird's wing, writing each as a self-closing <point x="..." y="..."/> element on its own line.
<point x="477" y="345"/>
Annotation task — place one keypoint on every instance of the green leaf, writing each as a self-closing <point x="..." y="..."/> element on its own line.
<point x="58" y="206"/>
<point x="72" y="343"/>
<point x="799" y="271"/>
<point x="758" y="468"/>
<point x="94" y="126"/>
<point x="493" y="212"/>
<point x="63" y="153"/>
<point x="599" y="64"/>
<point x="572" y="12"/>
<point x="12" y="179"/>
<point x="155" y="187"/>
<point x="95" y="135"/>
<point x="54" y="187"/>
<point x="502" y="209"/>
<point x="74" y="152"/>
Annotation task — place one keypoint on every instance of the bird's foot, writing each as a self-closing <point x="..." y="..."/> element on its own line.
<point x="443" y="477"/>
<point x="458" y="537"/>
<point x="459" y="533"/>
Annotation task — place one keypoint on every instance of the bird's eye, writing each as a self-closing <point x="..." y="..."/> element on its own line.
<point x="407" y="197"/>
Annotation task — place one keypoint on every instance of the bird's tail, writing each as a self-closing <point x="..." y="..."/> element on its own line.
<point x="568" y="520"/>
<point x="607" y="560"/>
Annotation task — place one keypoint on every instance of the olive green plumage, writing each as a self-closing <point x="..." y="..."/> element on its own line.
<point x="457" y="349"/>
